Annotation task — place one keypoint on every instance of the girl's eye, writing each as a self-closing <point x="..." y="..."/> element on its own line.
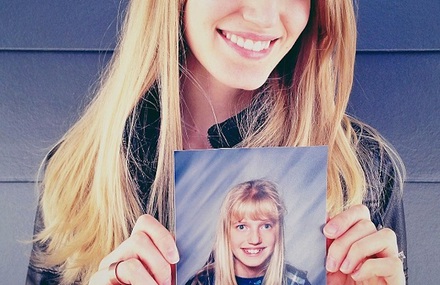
<point x="267" y="226"/>
<point x="241" y="227"/>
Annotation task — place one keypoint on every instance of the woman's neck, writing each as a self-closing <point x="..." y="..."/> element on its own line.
<point x="205" y="102"/>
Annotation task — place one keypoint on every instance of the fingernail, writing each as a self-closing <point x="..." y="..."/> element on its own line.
<point x="331" y="264"/>
<point x="330" y="230"/>
<point x="345" y="266"/>
<point x="355" y="275"/>
<point x="173" y="255"/>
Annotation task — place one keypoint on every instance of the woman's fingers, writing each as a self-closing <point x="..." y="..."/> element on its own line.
<point x="357" y="249"/>
<point x="342" y="222"/>
<point x="132" y="271"/>
<point x="389" y="269"/>
<point x="145" y="255"/>
<point x="342" y="231"/>
<point x="344" y="251"/>
<point x="160" y="236"/>
<point x="129" y="271"/>
<point x="147" y="239"/>
<point x="381" y="244"/>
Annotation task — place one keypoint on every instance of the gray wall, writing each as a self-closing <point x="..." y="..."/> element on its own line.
<point x="51" y="52"/>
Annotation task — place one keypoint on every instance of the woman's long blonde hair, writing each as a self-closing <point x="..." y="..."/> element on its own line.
<point x="89" y="200"/>
<point x="256" y="199"/>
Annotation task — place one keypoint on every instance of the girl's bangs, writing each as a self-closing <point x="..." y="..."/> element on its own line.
<point x="264" y="209"/>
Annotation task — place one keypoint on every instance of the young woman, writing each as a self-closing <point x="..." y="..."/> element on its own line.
<point x="249" y="247"/>
<point x="192" y="74"/>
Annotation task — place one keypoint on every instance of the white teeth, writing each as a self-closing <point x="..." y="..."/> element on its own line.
<point x="240" y="41"/>
<point x="257" y="46"/>
<point x="267" y="45"/>
<point x="233" y="38"/>
<point x="253" y="251"/>
<point x="247" y="43"/>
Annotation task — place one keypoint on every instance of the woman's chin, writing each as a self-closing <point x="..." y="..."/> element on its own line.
<point x="248" y="84"/>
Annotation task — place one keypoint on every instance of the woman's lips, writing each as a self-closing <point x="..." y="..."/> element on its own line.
<point x="249" y="45"/>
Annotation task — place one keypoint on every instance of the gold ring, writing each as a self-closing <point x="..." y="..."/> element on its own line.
<point x="113" y="270"/>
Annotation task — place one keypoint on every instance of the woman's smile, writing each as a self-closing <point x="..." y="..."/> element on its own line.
<point x="255" y="46"/>
<point x="239" y="43"/>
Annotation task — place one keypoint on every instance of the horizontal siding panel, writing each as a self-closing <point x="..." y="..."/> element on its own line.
<point x="81" y="24"/>
<point x="399" y="25"/>
<point x="17" y="210"/>
<point x="60" y="24"/>
<point x="40" y="96"/>
<point x="399" y="94"/>
<point x="423" y="229"/>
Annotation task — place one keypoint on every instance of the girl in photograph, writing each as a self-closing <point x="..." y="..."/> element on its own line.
<point x="249" y="247"/>
<point x="199" y="74"/>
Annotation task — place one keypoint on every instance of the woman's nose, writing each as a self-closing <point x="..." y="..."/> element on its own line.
<point x="262" y="13"/>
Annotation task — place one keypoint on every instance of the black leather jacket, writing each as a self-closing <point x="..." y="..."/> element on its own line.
<point x="386" y="209"/>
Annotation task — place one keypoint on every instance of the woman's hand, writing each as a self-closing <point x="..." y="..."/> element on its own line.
<point x="145" y="257"/>
<point x="357" y="252"/>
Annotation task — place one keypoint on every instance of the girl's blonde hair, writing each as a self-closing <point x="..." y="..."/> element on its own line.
<point x="257" y="200"/>
<point x="89" y="200"/>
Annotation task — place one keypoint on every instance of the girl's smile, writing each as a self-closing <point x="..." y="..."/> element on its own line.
<point x="252" y="244"/>
<point x="253" y="251"/>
